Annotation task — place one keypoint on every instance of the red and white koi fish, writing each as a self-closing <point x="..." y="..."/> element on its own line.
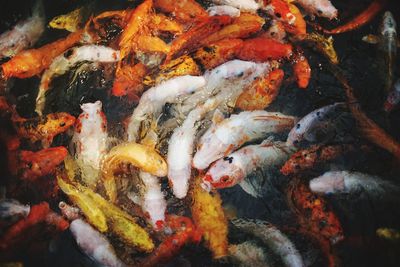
<point x="223" y="138"/>
<point x="233" y="168"/>
<point x="90" y="141"/>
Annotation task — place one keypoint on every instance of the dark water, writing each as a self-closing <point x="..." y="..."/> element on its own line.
<point x="359" y="214"/>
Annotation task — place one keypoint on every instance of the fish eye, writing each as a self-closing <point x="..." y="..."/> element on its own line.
<point x="298" y="126"/>
<point x="225" y="178"/>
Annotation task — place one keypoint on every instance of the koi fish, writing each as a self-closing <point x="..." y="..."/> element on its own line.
<point x="207" y="207"/>
<point x="184" y="231"/>
<point x="141" y="156"/>
<point x="194" y="38"/>
<point x="361" y="19"/>
<point x="119" y="222"/>
<point x="241" y="27"/>
<point x="321" y="44"/>
<point x="233" y="168"/>
<point x="92" y="213"/>
<point x="188" y="11"/>
<point x="320" y="8"/>
<point x="320" y="126"/>
<point x="11" y="211"/>
<point x="39" y="213"/>
<point x="89" y="141"/>
<point x="261" y="49"/>
<point x="316" y="218"/>
<point x="308" y="158"/>
<point x="32" y="62"/>
<point x="302" y="70"/>
<point x="349" y="182"/>
<point x="262" y="92"/>
<point x="25" y="34"/>
<point x="368" y="128"/>
<point x="273" y="238"/>
<point x="43" y="128"/>
<point x="223" y="138"/>
<point x="64" y="62"/>
<point x="72" y="21"/>
<point x="32" y="165"/>
<point x="90" y="241"/>
<point x="248" y="254"/>
<point x="387" y="44"/>
<point x="153" y="100"/>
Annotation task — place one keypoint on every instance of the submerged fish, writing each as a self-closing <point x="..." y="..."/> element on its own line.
<point x="64" y="62"/>
<point x="248" y="254"/>
<point x="25" y="34"/>
<point x="273" y="238"/>
<point x="43" y="128"/>
<point x="154" y="99"/>
<point x="320" y="8"/>
<point x="141" y="156"/>
<point x="11" y="210"/>
<point x="90" y="241"/>
<point x="309" y="158"/>
<point x="387" y="43"/>
<point x="321" y="126"/>
<point x="223" y="138"/>
<point x="182" y="141"/>
<point x="233" y="168"/>
<point x="151" y="199"/>
<point x="388" y="234"/>
<point x="338" y="182"/>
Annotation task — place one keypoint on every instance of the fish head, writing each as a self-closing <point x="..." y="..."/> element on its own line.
<point x="388" y="26"/>
<point x="60" y="122"/>
<point x="296" y="135"/>
<point x="224" y="173"/>
<point x="326" y="9"/>
<point x="329" y="182"/>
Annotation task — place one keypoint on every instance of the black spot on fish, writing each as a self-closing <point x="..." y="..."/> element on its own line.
<point x="230" y="159"/>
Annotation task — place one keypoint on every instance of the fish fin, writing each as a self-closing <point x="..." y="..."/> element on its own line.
<point x="38" y="9"/>
<point x="371" y="39"/>
<point x="218" y="116"/>
<point x="248" y="187"/>
<point x="268" y="142"/>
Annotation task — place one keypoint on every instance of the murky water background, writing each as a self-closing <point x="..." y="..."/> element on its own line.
<point x="359" y="215"/>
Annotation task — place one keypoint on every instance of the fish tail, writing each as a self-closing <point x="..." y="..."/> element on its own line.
<point x="38" y="9"/>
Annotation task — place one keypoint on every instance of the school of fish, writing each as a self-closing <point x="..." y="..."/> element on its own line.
<point x="198" y="81"/>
